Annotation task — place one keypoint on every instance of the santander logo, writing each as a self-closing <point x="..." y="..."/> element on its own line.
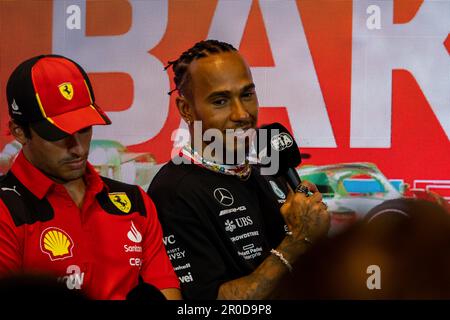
<point x="134" y="234"/>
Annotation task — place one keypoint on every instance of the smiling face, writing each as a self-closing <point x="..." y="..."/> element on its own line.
<point x="221" y="94"/>
<point x="62" y="160"/>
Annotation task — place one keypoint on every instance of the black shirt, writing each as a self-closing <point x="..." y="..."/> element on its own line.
<point x="216" y="227"/>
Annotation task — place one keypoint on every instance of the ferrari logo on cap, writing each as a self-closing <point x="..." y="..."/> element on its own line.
<point x="66" y="90"/>
<point x="121" y="201"/>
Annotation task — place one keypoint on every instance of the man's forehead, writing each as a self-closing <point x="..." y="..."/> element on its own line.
<point x="219" y="69"/>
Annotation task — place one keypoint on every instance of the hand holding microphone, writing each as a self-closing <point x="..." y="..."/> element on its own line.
<point x="304" y="212"/>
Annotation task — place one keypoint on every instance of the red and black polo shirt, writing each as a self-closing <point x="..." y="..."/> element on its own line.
<point x="102" y="248"/>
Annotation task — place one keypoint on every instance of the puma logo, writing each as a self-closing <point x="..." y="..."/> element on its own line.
<point x="11" y="189"/>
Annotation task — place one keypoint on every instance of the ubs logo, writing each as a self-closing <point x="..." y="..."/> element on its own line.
<point x="243" y="221"/>
<point x="224" y="197"/>
<point x="230" y="225"/>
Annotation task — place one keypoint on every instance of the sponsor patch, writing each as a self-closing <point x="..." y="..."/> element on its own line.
<point x="56" y="243"/>
<point x="121" y="201"/>
<point x="66" y="90"/>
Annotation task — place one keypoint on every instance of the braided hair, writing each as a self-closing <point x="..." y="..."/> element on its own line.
<point x="199" y="50"/>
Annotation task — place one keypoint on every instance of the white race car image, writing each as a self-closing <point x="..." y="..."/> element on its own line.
<point x="349" y="189"/>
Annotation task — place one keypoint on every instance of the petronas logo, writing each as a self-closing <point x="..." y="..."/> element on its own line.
<point x="276" y="189"/>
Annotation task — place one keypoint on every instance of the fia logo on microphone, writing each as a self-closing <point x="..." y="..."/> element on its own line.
<point x="281" y="141"/>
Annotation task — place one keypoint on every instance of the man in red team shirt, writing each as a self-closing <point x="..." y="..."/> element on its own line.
<point x="57" y="215"/>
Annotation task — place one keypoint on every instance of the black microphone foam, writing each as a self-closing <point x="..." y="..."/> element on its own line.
<point x="277" y="149"/>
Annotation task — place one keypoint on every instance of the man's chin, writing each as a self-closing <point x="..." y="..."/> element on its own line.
<point x="72" y="175"/>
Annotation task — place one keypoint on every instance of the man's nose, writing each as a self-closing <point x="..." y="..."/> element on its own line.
<point x="75" y="145"/>
<point x="239" y="111"/>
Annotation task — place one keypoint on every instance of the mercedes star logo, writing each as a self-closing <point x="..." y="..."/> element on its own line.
<point x="224" y="197"/>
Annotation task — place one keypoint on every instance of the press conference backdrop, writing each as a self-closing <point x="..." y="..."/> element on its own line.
<point x="354" y="81"/>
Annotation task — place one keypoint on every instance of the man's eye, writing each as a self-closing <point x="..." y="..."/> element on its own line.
<point x="84" y="130"/>
<point x="220" y="102"/>
<point x="248" y="95"/>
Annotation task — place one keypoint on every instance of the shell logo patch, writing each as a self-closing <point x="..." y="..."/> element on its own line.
<point x="56" y="243"/>
<point x="121" y="201"/>
<point x="66" y="90"/>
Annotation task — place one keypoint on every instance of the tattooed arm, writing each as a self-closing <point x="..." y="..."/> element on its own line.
<point x="306" y="217"/>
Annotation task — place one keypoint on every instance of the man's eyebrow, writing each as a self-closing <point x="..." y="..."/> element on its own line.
<point x="248" y="87"/>
<point x="218" y="94"/>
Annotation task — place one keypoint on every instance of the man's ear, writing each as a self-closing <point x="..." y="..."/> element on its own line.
<point x="17" y="132"/>
<point x="185" y="109"/>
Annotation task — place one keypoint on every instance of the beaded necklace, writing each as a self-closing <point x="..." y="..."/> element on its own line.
<point x="242" y="171"/>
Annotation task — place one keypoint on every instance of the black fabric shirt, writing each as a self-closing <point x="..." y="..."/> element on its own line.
<point x="216" y="227"/>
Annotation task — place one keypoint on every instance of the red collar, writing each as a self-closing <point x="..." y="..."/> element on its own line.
<point x="39" y="184"/>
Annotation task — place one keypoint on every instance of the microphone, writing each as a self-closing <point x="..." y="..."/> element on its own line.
<point x="278" y="151"/>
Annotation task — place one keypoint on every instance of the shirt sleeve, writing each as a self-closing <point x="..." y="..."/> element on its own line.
<point x="156" y="267"/>
<point x="10" y="249"/>
<point x="192" y="250"/>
